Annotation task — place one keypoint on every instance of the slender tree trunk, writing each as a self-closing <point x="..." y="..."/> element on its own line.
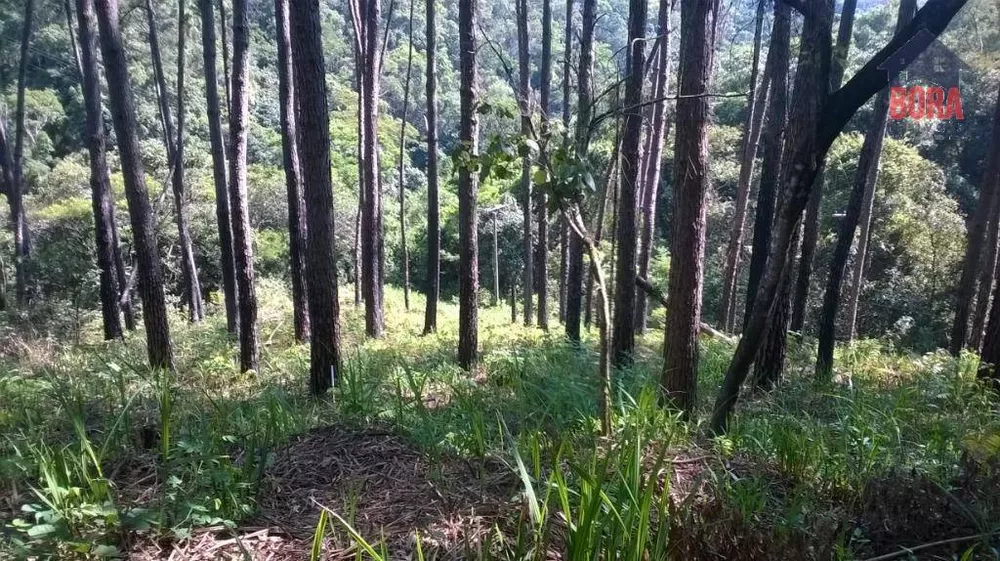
<point x="297" y="228"/>
<point x="574" y="267"/>
<point x="778" y="60"/>
<point x="309" y="75"/>
<point x="468" y="189"/>
<point x="858" y="212"/>
<point x="542" y="203"/>
<point x="496" y="272"/>
<point x="829" y="115"/>
<point x="226" y="76"/>
<point x="524" y="102"/>
<point x="163" y="103"/>
<point x="16" y="189"/>
<point x="124" y="291"/>
<point x="810" y="235"/>
<point x="756" y="100"/>
<point x="699" y="20"/>
<point x="609" y="186"/>
<point x="564" y="240"/>
<point x="433" y="202"/>
<point x="223" y="216"/>
<point x="371" y="215"/>
<point x="100" y="183"/>
<point x="989" y="192"/>
<point x="242" y="232"/>
<point x="192" y="287"/>
<point x="654" y="159"/>
<point x="154" y="308"/>
<point x="987" y="276"/>
<point x="358" y="28"/>
<point x="402" y="150"/>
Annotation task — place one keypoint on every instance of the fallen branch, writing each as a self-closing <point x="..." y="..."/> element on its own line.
<point x="910" y="550"/>
<point x="655" y="294"/>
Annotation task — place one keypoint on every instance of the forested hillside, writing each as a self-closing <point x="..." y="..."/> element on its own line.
<point x="678" y="279"/>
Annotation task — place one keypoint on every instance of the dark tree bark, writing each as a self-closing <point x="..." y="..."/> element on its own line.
<point x="402" y="151"/>
<point x="242" y="233"/>
<point x="756" y="101"/>
<point x="16" y="187"/>
<point x="468" y="189"/>
<point x="830" y="114"/>
<point x="989" y="192"/>
<point x="699" y="20"/>
<point x="163" y="103"/>
<point x="574" y="264"/>
<point x="358" y="28"/>
<point x="154" y="308"/>
<point x="314" y="131"/>
<point x="297" y="229"/>
<point x="564" y="241"/>
<point x="371" y="214"/>
<point x="192" y="287"/>
<point x="100" y="184"/>
<point x="987" y="276"/>
<point x="542" y="203"/>
<point x="623" y="336"/>
<point x="433" y="203"/>
<point x="223" y="216"/>
<point x="778" y="60"/>
<point x="810" y="234"/>
<point x="858" y="212"/>
<point x="226" y="76"/>
<point x="654" y="159"/>
<point x="524" y="101"/>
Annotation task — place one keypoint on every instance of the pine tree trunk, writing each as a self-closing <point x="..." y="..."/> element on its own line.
<point x="989" y="193"/>
<point x="756" y="100"/>
<point x="16" y="188"/>
<point x="861" y="258"/>
<point x="226" y="76"/>
<point x="358" y="27"/>
<point x="297" y="227"/>
<point x="154" y="309"/>
<point x="524" y="102"/>
<point x="810" y="235"/>
<point x="100" y="184"/>
<point x="987" y="276"/>
<point x="433" y="197"/>
<point x="564" y="240"/>
<point x="309" y="74"/>
<point x="858" y="212"/>
<point x="402" y="150"/>
<point x="192" y="287"/>
<point x="778" y="60"/>
<point x="223" y="216"/>
<point x="242" y="232"/>
<point x="468" y="189"/>
<point x="541" y="203"/>
<point x="654" y="159"/>
<point x="371" y="215"/>
<point x="699" y="20"/>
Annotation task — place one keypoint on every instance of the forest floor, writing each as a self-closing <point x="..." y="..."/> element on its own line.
<point x="412" y="458"/>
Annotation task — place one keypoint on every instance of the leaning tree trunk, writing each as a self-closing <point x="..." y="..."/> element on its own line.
<point x="468" y="189"/>
<point x="858" y="212"/>
<point x="223" y="216"/>
<point x="829" y="115"/>
<point x="100" y="183"/>
<point x="654" y="159"/>
<point x="699" y="20"/>
<point x="154" y="308"/>
<point x="564" y="240"/>
<point x="192" y="287"/>
<point x="371" y="215"/>
<point x="623" y="335"/>
<point x="402" y="150"/>
<point x="16" y="189"/>
<point x="297" y="228"/>
<point x="524" y="103"/>
<point x="773" y="146"/>
<point x="242" y="232"/>
<point x="433" y="202"/>
<point x="309" y="73"/>
<point x="574" y="265"/>
<point x="756" y="100"/>
<point x="810" y="234"/>
<point x="986" y="278"/>
<point x="989" y="192"/>
<point x="542" y="201"/>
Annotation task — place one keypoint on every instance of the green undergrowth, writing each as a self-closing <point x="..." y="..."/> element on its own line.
<point x="97" y="449"/>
